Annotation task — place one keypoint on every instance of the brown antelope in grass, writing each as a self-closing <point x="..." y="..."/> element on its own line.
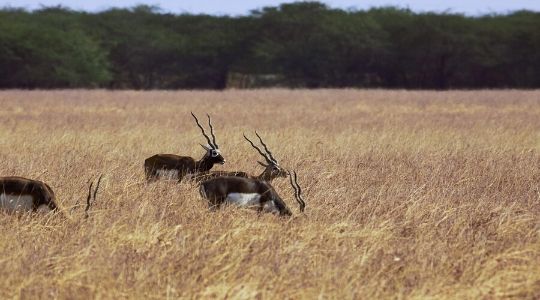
<point x="249" y="192"/>
<point x="271" y="168"/>
<point x="176" y="167"/>
<point x="19" y="194"/>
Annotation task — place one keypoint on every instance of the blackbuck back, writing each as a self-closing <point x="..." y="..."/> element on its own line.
<point x="249" y="192"/>
<point x="271" y="170"/>
<point x="19" y="195"/>
<point x="175" y="167"/>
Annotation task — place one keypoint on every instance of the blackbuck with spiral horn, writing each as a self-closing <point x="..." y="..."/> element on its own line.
<point x="271" y="170"/>
<point x="19" y="195"/>
<point x="173" y="166"/>
<point x="249" y="192"/>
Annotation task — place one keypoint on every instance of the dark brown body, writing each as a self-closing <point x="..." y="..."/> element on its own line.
<point x="182" y="164"/>
<point x="41" y="193"/>
<point x="217" y="190"/>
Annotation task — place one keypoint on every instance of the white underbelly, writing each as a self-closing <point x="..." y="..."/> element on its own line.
<point x="168" y="174"/>
<point x="241" y="199"/>
<point x="16" y="203"/>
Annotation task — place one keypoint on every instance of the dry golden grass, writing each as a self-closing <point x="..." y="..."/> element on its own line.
<point x="409" y="195"/>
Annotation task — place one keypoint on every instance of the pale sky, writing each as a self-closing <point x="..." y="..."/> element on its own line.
<point x="237" y="7"/>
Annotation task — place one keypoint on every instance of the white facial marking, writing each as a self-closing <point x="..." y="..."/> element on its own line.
<point x="241" y="199"/>
<point x="168" y="174"/>
<point x="215" y="153"/>
<point x="270" y="207"/>
<point x="16" y="203"/>
<point x="43" y="208"/>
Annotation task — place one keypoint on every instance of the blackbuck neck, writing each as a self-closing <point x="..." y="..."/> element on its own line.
<point x="205" y="163"/>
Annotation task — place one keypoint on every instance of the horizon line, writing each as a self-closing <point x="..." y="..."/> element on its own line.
<point x="160" y="10"/>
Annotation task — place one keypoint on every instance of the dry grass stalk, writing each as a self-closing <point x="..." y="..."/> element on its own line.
<point x="409" y="194"/>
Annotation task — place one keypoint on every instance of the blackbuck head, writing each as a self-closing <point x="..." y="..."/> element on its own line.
<point x="271" y="167"/>
<point x="249" y="192"/>
<point x="276" y="205"/>
<point x="213" y="154"/>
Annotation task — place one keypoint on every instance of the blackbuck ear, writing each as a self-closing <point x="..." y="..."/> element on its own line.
<point x="205" y="147"/>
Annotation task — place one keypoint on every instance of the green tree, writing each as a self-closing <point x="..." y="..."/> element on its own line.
<point x="37" y="51"/>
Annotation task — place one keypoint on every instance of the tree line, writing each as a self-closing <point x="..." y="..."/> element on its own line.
<point x="303" y="44"/>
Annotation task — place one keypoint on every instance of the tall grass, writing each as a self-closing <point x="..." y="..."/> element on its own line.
<point x="409" y="195"/>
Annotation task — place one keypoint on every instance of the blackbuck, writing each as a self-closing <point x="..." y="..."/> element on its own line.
<point x="19" y="195"/>
<point x="249" y="192"/>
<point x="271" y="170"/>
<point x="173" y="166"/>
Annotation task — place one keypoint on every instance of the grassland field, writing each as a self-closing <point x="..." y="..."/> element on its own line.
<point x="410" y="195"/>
